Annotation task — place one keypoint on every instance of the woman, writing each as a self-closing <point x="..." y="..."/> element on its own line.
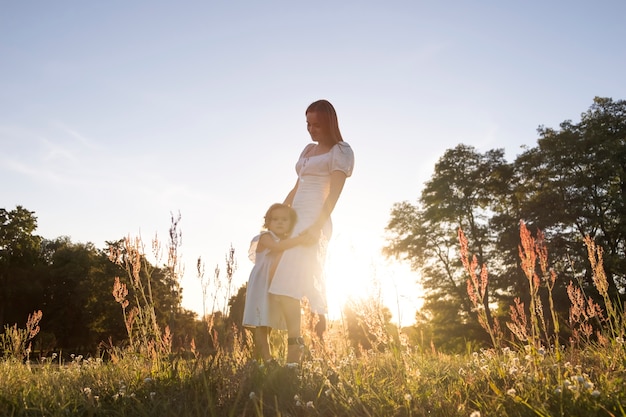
<point x="322" y="170"/>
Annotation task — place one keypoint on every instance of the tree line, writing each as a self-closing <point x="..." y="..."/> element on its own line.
<point x="570" y="186"/>
<point x="93" y="301"/>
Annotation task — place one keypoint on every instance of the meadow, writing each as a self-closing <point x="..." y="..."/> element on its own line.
<point x="531" y="372"/>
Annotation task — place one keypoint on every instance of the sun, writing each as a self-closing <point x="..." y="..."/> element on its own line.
<point x="359" y="271"/>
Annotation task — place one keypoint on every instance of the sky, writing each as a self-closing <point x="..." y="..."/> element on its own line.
<point x="115" y="115"/>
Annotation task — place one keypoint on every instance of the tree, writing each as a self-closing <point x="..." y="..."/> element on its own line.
<point x="573" y="184"/>
<point x="19" y="256"/>
<point x="465" y="191"/>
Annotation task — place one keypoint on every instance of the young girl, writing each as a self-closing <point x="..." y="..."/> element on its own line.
<point x="260" y="312"/>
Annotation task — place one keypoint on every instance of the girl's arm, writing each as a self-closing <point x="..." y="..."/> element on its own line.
<point x="267" y="242"/>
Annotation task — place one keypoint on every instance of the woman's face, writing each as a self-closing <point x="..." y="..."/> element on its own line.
<point x="317" y="129"/>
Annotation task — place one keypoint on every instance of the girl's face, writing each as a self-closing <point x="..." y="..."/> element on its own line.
<point x="316" y="127"/>
<point x="280" y="222"/>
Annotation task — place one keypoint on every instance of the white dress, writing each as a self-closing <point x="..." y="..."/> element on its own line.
<point x="259" y="309"/>
<point x="300" y="271"/>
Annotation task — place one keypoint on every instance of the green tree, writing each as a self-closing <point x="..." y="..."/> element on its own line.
<point x="572" y="184"/>
<point x="20" y="292"/>
<point x="465" y="191"/>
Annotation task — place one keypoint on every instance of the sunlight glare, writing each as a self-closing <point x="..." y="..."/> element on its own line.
<point x="361" y="272"/>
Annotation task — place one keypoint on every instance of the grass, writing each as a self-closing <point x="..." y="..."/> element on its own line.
<point x="525" y="377"/>
<point x="397" y="382"/>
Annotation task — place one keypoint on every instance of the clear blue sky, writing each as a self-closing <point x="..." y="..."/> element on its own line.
<point x="115" y="113"/>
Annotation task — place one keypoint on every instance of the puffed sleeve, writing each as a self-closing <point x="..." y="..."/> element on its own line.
<point x="342" y="159"/>
<point x="252" y="251"/>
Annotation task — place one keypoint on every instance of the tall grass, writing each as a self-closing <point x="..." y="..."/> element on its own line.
<point x="532" y="375"/>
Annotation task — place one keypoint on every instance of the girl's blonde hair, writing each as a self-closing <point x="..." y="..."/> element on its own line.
<point x="292" y="215"/>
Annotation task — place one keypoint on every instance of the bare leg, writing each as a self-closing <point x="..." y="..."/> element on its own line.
<point x="262" y="342"/>
<point x="291" y="310"/>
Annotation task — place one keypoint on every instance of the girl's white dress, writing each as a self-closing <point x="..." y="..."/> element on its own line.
<point x="300" y="271"/>
<point x="259" y="310"/>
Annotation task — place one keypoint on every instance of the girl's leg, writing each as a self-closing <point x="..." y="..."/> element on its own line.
<point x="262" y="342"/>
<point x="291" y="310"/>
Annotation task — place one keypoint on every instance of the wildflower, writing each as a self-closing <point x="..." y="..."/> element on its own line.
<point x="87" y="391"/>
<point x="511" y="392"/>
<point x="541" y="351"/>
<point x="588" y="385"/>
<point x="252" y="395"/>
<point x="152" y="395"/>
<point x="408" y="398"/>
<point x="558" y="390"/>
<point x="619" y="340"/>
<point x="580" y="378"/>
<point x="595" y="393"/>
<point x="296" y="397"/>
<point x="310" y="404"/>
<point x="475" y="414"/>
<point x="147" y="380"/>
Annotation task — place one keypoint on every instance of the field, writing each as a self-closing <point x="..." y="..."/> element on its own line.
<point x="532" y="372"/>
